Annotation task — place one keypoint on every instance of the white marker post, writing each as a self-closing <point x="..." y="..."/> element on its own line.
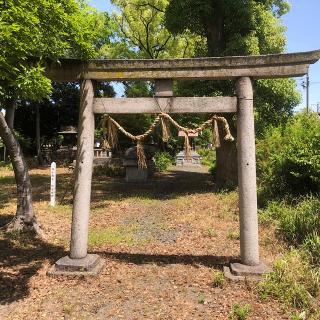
<point x="53" y="184"/>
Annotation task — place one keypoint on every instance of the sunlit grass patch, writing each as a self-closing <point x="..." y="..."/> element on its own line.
<point x="233" y="235"/>
<point x="228" y="197"/>
<point x="181" y="202"/>
<point x="293" y="281"/>
<point x="228" y="205"/>
<point x="239" y="312"/>
<point x="218" y="279"/>
<point x="59" y="209"/>
<point x="211" y="233"/>
<point x="114" y="235"/>
<point x="5" y="169"/>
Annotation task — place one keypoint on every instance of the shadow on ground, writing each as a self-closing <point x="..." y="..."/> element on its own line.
<point x="21" y="257"/>
<point x="5" y="219"/>
<point x="40" y="187"/>
<point x="166" y="259"/>
<point x="175" y="183"/>
<point x="171" y="185"/>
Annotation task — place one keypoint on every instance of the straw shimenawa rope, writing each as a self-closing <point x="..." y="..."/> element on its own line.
<point x="112" y="127"/>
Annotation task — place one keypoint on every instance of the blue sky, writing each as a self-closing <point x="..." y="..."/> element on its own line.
<point x="303" y="34"/>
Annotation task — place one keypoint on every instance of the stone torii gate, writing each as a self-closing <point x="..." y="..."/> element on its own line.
<point x="163" y="72"/>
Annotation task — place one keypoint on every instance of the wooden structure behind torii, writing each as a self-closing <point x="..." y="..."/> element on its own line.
<point x="241" y="69"/>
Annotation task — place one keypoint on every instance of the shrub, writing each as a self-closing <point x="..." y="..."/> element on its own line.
<point x="293" y="281"/>
<point x="208" y="157"/>
<point x="289" y="157"/>
<point x="297" y="224"/>
<point x="162" y="161"/>
<point x="108" y="171"/>
<point x="213" y="169"/>
<point x="239" y="312"/>
<point x="311" y="244"/>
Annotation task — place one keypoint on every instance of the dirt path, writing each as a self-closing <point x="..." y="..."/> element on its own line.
<point x="162" y="242"/>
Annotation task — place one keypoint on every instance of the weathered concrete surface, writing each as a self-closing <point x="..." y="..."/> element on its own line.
<point x="251" y="275"/>
<point x="91" y="265"/>
<point x="164" y="88"/>
<point x="239" y="269"/>
<point x="264" y="66"/>
<point x="167" y="105"/>
<point x="134" y="174"/>
<point x="249" y="244"/>
<point x="82" y="187"/>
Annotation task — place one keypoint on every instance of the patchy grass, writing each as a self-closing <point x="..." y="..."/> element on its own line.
<point x="218" y="279"/>
<point x="202" y="298"/>
<point x="59" y="209"/>
<point x="23" y="239"/>
<point x="211" y="233"/>
<point x="294" y="282"/>
<point x="144" y="199"/>
<point x="239" y="312"/>
<point x="111" y="236"/>
<point x="233" y="235"/>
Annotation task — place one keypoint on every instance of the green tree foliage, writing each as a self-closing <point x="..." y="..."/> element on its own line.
<point x="231" y="26"/>
<point x="61" y="109"/>
<point x="45" y="29"/>
<point x="237" y="27"/>
<point x="32" y="32"/>
<point x="288" y="157"/>
<point x="140" y="32"/>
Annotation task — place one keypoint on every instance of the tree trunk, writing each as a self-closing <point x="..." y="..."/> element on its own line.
<point x="215" y="37"/>
<point x="24" y="215"/>
<point x="226" y="162"/>
<point x="38" y="136"/>
<point x="10" y="110"/>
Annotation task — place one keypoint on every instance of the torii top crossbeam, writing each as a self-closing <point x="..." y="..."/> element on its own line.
<point x="258" y="67"/>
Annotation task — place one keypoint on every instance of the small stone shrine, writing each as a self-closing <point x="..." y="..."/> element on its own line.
<point x="182" y="159"/>
<point x="134" y="173"/>
<point x="193" y="158"/>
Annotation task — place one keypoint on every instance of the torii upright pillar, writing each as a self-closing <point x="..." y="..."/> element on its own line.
<point x="249" y="236"/>
<point x="79" y="260"/>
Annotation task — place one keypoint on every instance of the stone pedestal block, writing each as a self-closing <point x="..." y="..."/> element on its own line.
<point x="91" y="265"/>
<point x="238" y="271"/>
<point x="135" y="174"/>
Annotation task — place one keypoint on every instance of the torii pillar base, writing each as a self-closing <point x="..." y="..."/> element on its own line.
<point x="240" y="272"/>
<point x="91" y="265"/>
